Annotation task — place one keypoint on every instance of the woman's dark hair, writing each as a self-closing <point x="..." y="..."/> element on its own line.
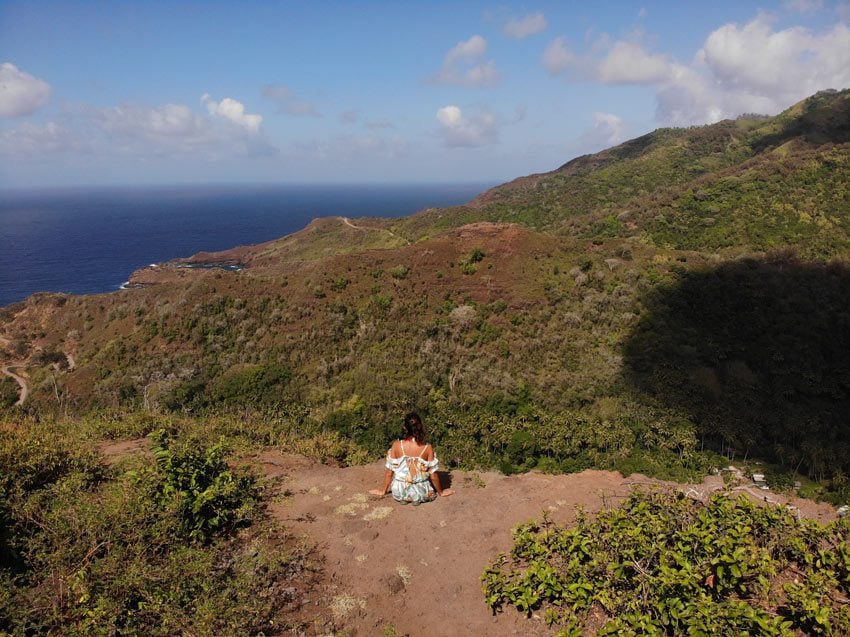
<point x="413" y="428"/>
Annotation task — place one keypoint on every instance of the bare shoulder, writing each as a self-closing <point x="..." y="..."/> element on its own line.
<point x="395" y="449"/>
<point x="428" y="453"/>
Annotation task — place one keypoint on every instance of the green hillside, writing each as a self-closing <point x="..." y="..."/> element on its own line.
<point x="682" y="292"/>
<point x="756" y="182"/>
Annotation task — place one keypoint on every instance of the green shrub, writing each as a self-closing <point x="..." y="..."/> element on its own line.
<point x="242" y="386"/>
<point x="476" y="256"/>
<point x="209" y="498"/>
<point x="9" y="392"/>
<point x="339" y="284"/>
<point x="664" y="564"/>
<point x="400" y="272"/>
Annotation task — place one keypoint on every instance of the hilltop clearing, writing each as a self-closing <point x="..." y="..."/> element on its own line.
<point x="418" y="569"/>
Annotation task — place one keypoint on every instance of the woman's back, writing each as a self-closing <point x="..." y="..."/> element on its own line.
<point x="412" y="464"/>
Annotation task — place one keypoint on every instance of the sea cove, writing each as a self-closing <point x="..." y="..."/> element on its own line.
<point x="89" y="240"/>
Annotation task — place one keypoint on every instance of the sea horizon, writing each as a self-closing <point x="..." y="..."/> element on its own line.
<point x="89" y="239"/>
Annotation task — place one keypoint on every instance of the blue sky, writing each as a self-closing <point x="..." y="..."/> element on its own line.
<point x="167" y="92"/>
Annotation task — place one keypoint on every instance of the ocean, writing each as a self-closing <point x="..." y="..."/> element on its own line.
<point x="89" y="240"/>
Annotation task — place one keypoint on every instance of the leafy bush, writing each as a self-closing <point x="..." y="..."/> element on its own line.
<point x="339" y="284"/>
<point x="209" y="498"/>
<point x="241" y="386"/>
<point x="9" y="392"/>
<point x="476" y="256"/>
<point x="667" y="565"/>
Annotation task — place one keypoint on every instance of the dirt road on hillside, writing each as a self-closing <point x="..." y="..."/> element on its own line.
<point x="22" y="383"/>
<point x="347" y="222"/>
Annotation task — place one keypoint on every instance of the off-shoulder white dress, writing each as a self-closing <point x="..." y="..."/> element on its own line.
<point x="412" y="476"/>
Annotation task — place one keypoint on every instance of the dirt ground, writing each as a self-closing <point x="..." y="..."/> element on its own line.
<point x="392" y="569"/>
<point x="416" y="569"/>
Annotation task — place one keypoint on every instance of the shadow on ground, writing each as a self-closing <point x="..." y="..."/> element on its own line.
<point x="757" y="354"/>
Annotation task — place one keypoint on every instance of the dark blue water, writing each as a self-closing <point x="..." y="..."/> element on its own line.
<point x="87" y="241"/>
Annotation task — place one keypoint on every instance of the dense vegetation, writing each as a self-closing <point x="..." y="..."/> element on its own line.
<point x="755" y="352"/>
<point x="171" y="542"/>
<point x="668" y="565"/>
<point x="759" y="182"/>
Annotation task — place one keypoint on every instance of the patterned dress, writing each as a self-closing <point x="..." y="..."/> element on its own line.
<point x="412" y="477"/>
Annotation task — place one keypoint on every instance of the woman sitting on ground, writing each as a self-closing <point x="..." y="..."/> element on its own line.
<point x="412" y="467"/>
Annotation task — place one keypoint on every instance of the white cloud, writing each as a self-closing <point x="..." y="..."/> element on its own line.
<point x="458" y="130"/>
<point x="288" y="102"/>
<point x="20" y="92"/>
<point x="450" y="116"/>
<point x="463" y="65"/>
<point x="607" y="130"/>
<point x="758" y="59"/>
<point x="752" y="68"/>
<point x="740" y="68"/>
<point x="31" y="139"/>
<point x="132" y="130"/>
<point x="174" y="129"/>
<point x="170" y="121"/>
<point x="557" y="58"/>
<point x="470" y="49"/>
<point x="621" y="62"/>
<point x="803" y="6"/>
<point x="519" y="28"/>
<point x="233" y="111"/>
<point x="628" y="63"/>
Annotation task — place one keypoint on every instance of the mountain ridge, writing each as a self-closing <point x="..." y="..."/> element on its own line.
<point x="504" y="318"/>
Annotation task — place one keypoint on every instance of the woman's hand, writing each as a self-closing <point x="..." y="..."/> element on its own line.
<point x="377" y="492"/>
<point x="446" y="493"/>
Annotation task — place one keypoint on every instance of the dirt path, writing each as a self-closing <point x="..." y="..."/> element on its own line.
<point x="417" y="568"/>
<point x="347" y="222"/>
<point x="22" y="383"/>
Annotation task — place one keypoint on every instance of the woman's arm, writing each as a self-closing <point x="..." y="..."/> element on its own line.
<point x="388" y="478"/>
<point x="435" y="479"/>
<point x="394" y="452"/>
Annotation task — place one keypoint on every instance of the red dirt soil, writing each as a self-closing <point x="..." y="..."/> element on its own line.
<point x="416" y="568"/>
